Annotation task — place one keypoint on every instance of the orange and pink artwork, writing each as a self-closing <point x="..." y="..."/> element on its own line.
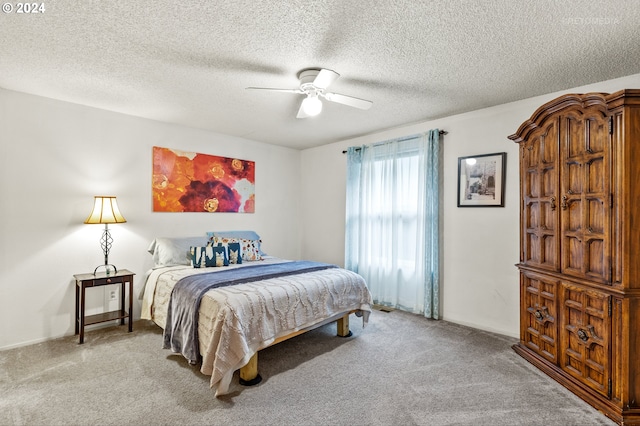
<point x="192" y="182"/>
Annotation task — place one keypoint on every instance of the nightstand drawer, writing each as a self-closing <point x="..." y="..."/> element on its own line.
<point x="110" y="280"/>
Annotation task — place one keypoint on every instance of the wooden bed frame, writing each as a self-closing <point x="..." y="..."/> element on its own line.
<point x="249" y="373"/>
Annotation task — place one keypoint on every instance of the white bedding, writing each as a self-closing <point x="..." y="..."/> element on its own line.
<point x="237" y="321"/>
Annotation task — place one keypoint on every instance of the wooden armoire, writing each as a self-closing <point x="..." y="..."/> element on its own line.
<point x="580" y="247"/>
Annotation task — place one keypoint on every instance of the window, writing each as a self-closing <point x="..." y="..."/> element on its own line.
<point x="392" y="221"/>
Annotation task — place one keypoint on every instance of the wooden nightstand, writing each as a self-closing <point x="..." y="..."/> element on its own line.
<point x="83" y="281"/>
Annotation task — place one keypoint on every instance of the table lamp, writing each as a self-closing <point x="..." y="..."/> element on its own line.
<point x="105" y="210"/>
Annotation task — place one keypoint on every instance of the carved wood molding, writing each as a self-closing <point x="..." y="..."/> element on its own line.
<point x="558" y="104"/>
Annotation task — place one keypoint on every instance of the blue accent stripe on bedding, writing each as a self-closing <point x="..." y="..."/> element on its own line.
<point x="181" y="329"/>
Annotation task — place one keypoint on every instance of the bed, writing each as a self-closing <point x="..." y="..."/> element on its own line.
<point x="244" y="306"/>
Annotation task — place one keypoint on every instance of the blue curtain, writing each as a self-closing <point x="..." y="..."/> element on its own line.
<point x="392" y="226"/>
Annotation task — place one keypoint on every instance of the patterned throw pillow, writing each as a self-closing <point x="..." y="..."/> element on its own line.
<point x="250" y="248"/>
<point x="245" y="235"/>
<point x="207" y="257"/>
<point x="221" y="256"/>
<point x="234" y="253"/>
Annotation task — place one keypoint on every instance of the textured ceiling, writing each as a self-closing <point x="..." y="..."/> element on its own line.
<point x="189" y="62"/>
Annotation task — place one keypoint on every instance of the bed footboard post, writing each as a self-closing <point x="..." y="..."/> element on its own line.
<point x="343" y="326"/>
<point x="249" y="373"/>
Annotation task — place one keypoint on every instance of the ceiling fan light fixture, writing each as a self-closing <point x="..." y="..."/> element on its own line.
<point x="313" y="85"/>
<point x="312" y="105"/>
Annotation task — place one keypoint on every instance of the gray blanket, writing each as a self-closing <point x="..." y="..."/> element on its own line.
<point x="181" y="330"/>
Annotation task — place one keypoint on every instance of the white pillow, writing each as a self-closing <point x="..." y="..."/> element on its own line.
<point x="174" y="251"/>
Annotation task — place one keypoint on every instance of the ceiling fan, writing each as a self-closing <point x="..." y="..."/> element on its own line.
<point x="313" y="84"/>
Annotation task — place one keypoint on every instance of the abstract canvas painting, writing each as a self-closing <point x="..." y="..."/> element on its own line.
<point x="192" y="182"/>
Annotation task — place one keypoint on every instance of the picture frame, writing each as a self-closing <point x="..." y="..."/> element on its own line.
<point x="481" y="180"/>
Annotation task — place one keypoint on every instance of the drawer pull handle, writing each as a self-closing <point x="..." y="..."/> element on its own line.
<point x="542" y="315"/>
<point x="564" y="204"/>
<point x="553" y="203"/>
<point x="108" y="280"/>
<point x="583" y="335"/>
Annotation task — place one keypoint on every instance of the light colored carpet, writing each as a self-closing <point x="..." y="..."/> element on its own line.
<point x="401" y="369"/>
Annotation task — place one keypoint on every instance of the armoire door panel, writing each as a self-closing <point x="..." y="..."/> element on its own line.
<point x="597" y="132"/>
<point x="548" y="216"/>
<point x="596" y="216"/>
<point x="539" y="315"/>
<point x="585" y="336"/>
<point x="549" y="181"/>
<point x="598" y="266"/>
<point x="573" y="259"/>
<point x="532" y="215"/>
<point x="532" y="249"/>
<point x="572" y="215"/>
<point x="596" y="172"/>
<point x="549" y="144"/>
<point x="544" y="149"/>
<point x="596" y="261"/>
<point x="540" y="251"/>
<point x="531" y="155"/>
<point x="586" y="131"/>
<point x="575" y="132"/>
<point x="584" y="239"/>
<point x="574" y="176"/>
<point x="585" y="216"/>
<point x="531" y="183"/>
<point x="549" y="252"/>
<point x="539" y="184"/>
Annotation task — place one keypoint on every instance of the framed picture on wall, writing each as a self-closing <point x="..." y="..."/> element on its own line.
<point x="193" y="182"/>
<point x="481" y="180"/>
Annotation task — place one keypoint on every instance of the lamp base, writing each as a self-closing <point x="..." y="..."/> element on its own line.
<point x="106" y="267"/>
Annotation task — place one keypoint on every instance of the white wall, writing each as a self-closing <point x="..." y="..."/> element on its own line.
<point x="55" y="156"/>
<point x="479" y="282"/>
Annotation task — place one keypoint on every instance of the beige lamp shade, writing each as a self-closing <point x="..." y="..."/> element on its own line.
<point x="105" y="210"/>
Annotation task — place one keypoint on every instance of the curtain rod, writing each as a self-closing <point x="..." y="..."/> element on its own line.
<point x="442" y="132"/>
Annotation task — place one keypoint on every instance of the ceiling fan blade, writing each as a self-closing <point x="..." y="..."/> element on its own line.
<point x="324" y="78"/>
<point x="348" y="100"/>
<point x="297" y="91"/>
